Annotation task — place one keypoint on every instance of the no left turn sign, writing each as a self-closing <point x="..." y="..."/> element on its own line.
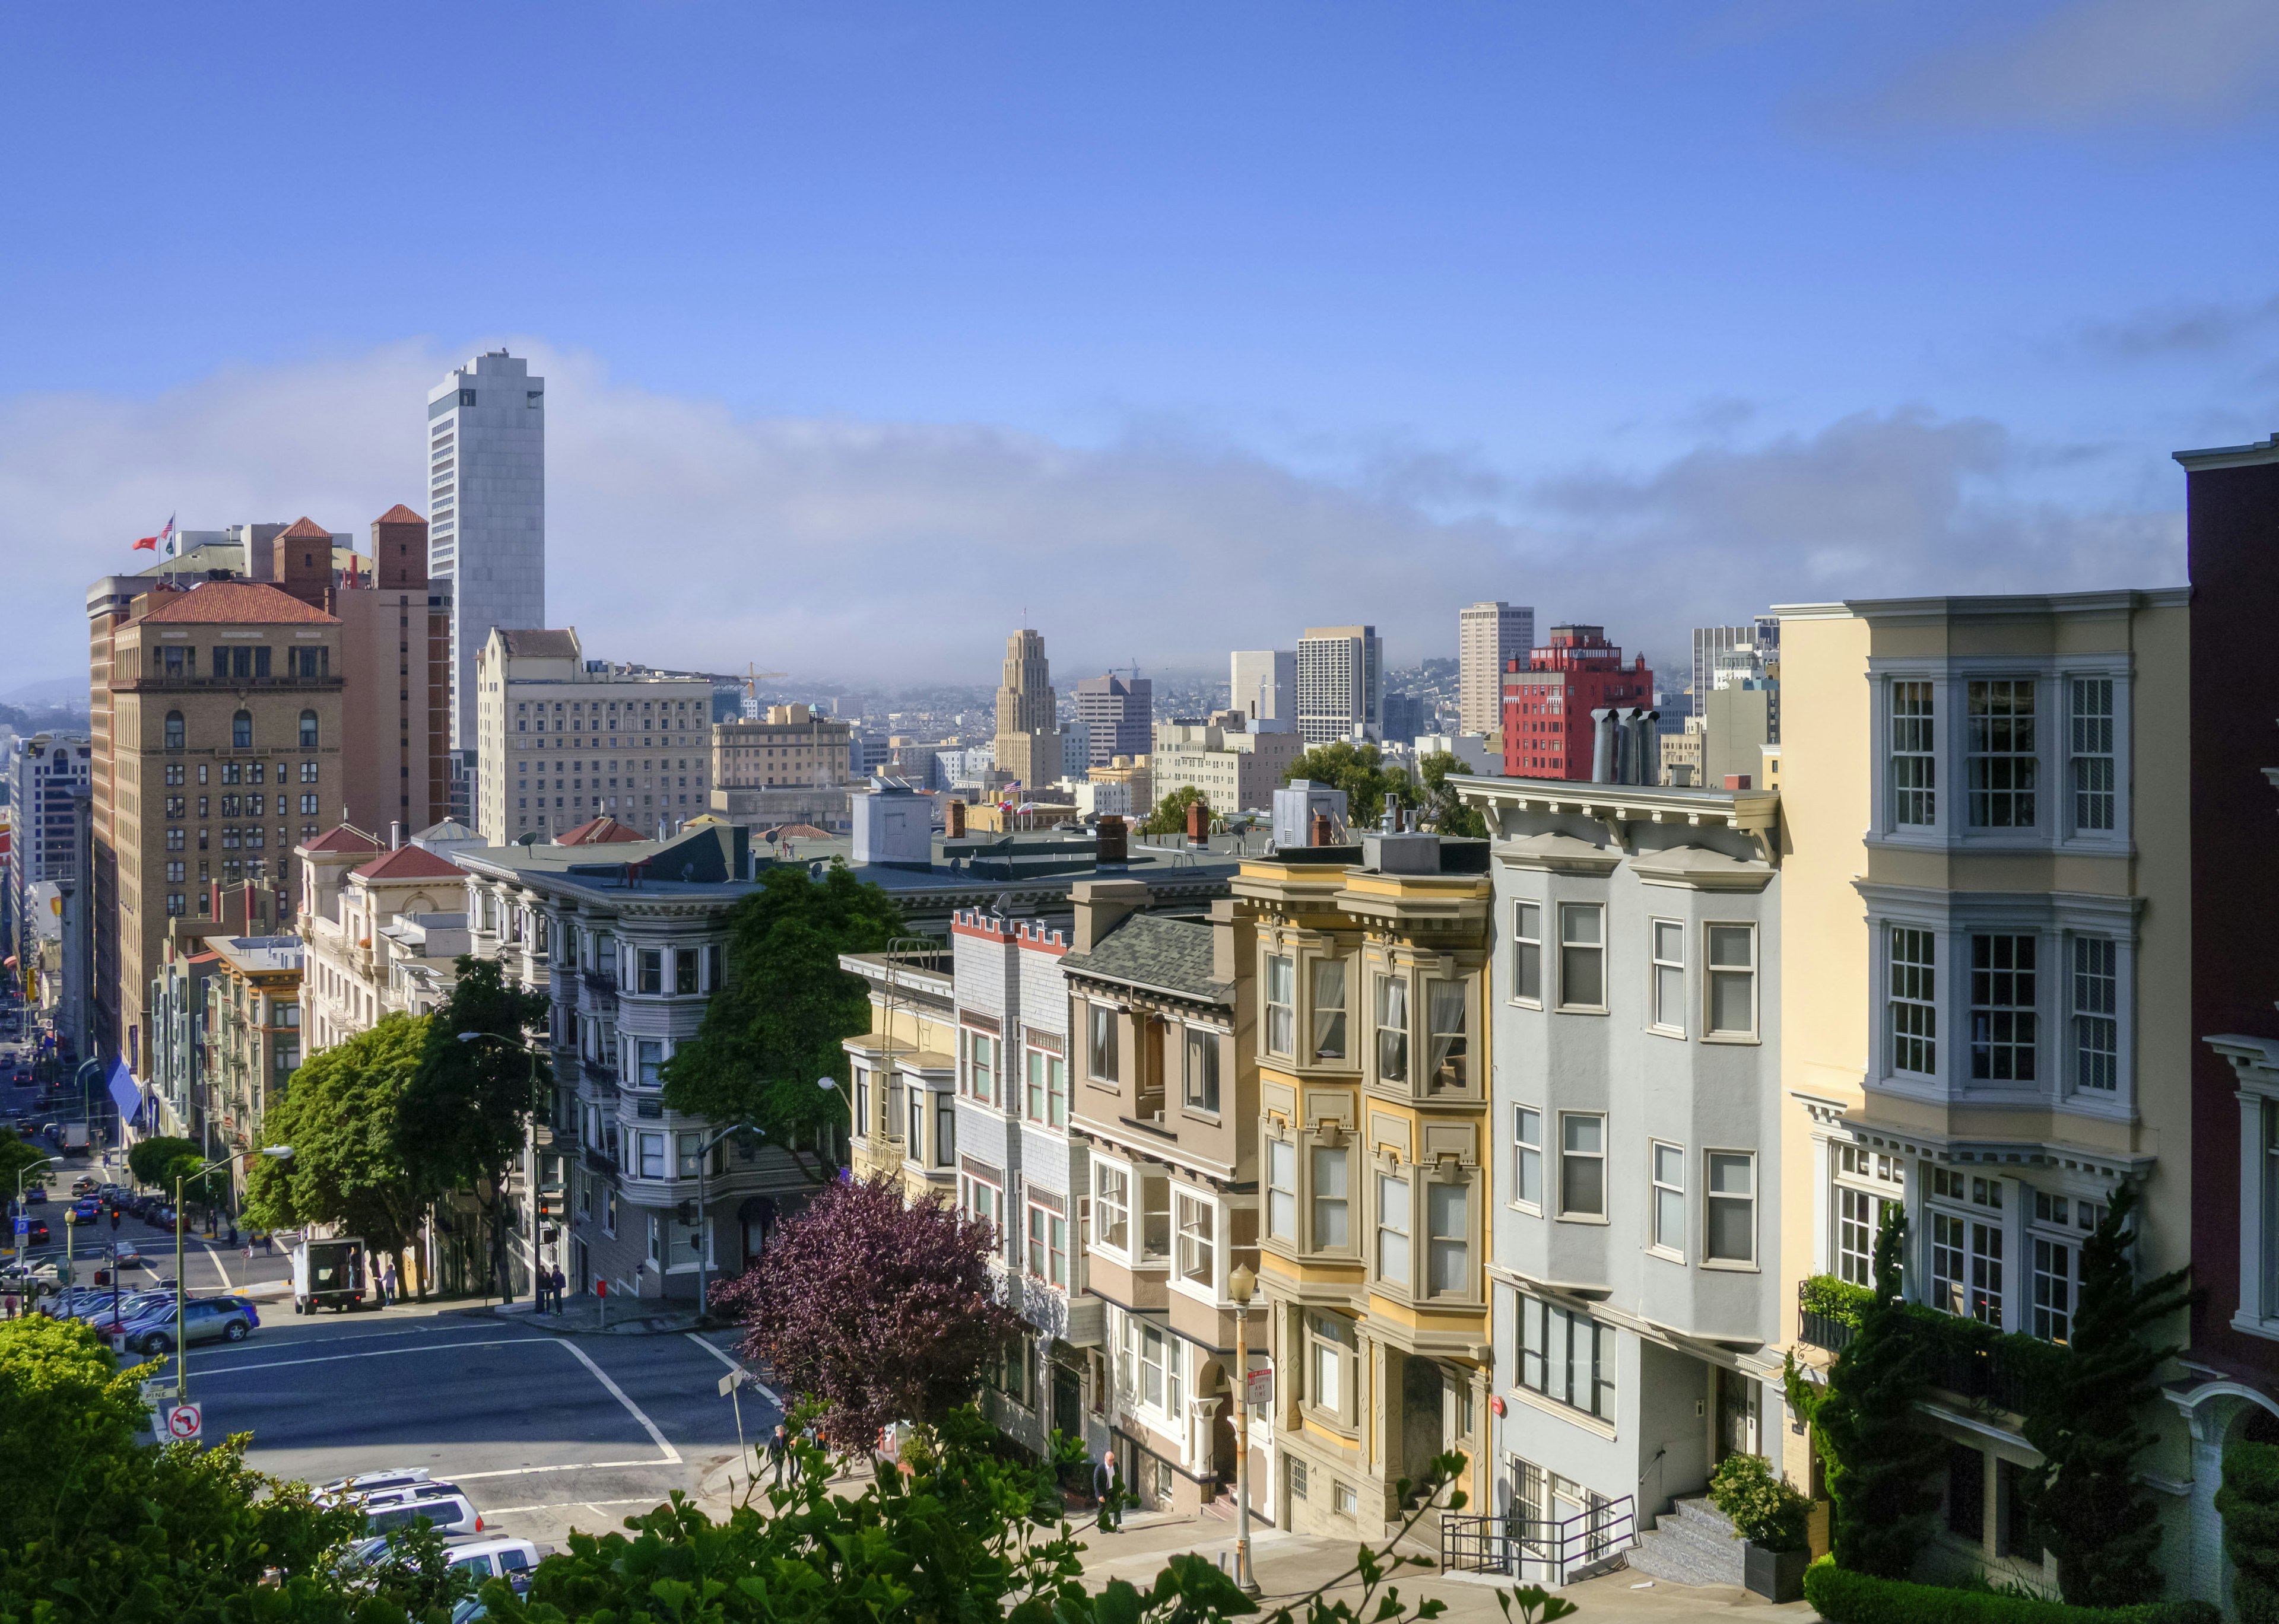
<point x="185" y="1420"/>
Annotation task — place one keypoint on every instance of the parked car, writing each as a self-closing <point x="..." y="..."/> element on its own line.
<point x="36" y="1196"/>
<point x="450" y="1514"/>
<point x="510" y="1559"/>
<point x="207" y="1319"/>
<point x="362" y="1483"/>
<point x="402" y="1494"/>
<point x="133" y="1306"/>
<point x="85" y="1184"/>
<point x="36" y="1232"/>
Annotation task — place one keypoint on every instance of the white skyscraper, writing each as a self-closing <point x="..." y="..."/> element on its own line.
<point x="485" y="511"/>
<point x="1341" y="684"/>
<point x="1263" y="683"/>
<point x="1487" y="635"/>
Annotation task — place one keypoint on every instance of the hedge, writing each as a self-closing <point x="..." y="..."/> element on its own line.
<point x="1842" y="1597"/>
<point x="1836" y="1299"/>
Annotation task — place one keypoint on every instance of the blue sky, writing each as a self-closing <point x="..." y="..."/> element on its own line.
<point x="1239" y="316"/>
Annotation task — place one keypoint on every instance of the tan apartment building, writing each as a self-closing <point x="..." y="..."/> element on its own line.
<point x="1371" y="964"/>
<point x="1237" y="769"/>
<point x="396" y="652"/>
<point x="904" y="1071"/>
<point x="562" y="740"/>
<point x="380" y="928"/>
<point x="253" y="1003"/>
<point x="1986" y="984"/>
<point x="220" y="745"/>
<point x="1027" y="743"/>
<point x="792" y="767"/>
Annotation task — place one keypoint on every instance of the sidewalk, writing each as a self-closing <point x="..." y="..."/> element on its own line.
<point x="590" y="1316"/>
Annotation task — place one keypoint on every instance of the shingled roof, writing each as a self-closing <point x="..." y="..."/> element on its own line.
<point x="243" y="603"/>
<point x="603" y="830"/>
<point x="306" y="529"/>
<point x="1163" y="953"/>
<point x="540" y="645"/>
<point x="407" y="863"/>
<point x="399" y="515"/>
<point x="342" y="838"/>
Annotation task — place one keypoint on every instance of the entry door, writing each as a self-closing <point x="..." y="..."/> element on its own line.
<point x="1736" y="1413"/>
<point x="1068" y="1400"/>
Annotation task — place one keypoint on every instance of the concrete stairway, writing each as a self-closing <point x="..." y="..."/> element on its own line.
<point x="1691" y="1543"/>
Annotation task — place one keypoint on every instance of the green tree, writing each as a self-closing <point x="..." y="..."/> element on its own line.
<point x="342" y="1116"/>
<point x="17" y="1155"/>
<point x="1360" y="771"/>
<point x="158" y="1161"/>
<point x="2086" y="1501"/>
<point x="1169" y="816"/>
<point x="2249" y="1504"/>
<point x="776" y="1027"/>
<point x="463" y="1117"/>
<point x="1448" y="814"/>
<point x="1880" y="1459"/>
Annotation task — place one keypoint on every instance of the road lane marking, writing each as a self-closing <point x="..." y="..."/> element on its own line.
<point x="509" y="1511"/>
<point x="768" y="1391"/>
<point x="328" y="1359"/>
<point x="575" y="1466"/>
<point x="215" y="1258"/>
<point x="672" y="1455"/>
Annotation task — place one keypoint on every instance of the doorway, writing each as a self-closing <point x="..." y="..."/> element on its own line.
<point x="1068" y="1400"/>
<point x="1738" y="1415"/>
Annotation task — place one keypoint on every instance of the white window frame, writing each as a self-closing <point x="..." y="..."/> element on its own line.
<point x="1581" y="1214"/>
<point x="1598" y="946"/>
<point x="1713" y="974"/>
<point x="1312" y="1200"/>
<point x="1111" y="1192"/>
<point x="1666" y="1224"/>
<point x="1396" y="1219"/>
<point x="1714" y="1198"/>
<point x="1281" y="1182"/>
<point x="1277" y="1033"/>
<point x="1665" y="952"/>
<point x="2086" y="726"/>
<point x="1195" y="1231"/>
<point x="1526" y="1159"/>
<point x="1438" y="1243"/>
<point x="1527" y="953"/>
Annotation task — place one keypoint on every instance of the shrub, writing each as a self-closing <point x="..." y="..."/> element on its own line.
<point x="2249" y="1504"/>
<point x="1842" y="1597"/>
<point x="1836" y="1299"/>
<point x="1765" y="1508"/>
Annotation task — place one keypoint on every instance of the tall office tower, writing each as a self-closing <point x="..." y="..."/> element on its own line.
<point x="1487" y="636"/>
<point x="1341" y="684"/>
<point x="1120" y="712"/>
<point x="1263" y="683"/>
<point x="1709" y="643"/>
<point x="485" y="513"/>
<point x="1028" y="737"/>
<point x="44" y="773"/>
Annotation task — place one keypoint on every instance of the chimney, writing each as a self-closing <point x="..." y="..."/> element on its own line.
<point x="1103" y="905"/>
<point x="1112" y="842"/>
<point x="953" y="819"/>
<point x="1319" y="833"/>
<point x="1198" y="824"/>
<point x="395" y="834"/>
<point x="1602" y="746"/>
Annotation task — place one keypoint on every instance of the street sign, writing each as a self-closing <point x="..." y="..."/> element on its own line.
<point x="734" y="1380"/>
<point x="185" y="1420"/>
<point x="23" y="1228"/>
<point x="1261" y="1387"/>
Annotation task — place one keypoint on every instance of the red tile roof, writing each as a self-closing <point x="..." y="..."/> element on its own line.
<point x="399" y="515"/>
<point x="342" y="838"/>
<point x="245" y="603"/>
<point x="306" y="529"/>
<point x="410" y="862"/>
<point x="603" y="831"/>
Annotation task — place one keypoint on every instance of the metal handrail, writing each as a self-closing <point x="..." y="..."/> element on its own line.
<point x="1505" y="1544"/>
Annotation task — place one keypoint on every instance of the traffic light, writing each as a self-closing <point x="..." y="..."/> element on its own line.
<point x="686" y="1213"/>
<point x="549" y="1205"/>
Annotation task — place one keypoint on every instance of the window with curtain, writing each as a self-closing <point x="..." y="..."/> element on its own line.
<point x="1202" y="1068"/>
<point x="1281" y="1005"/>
<point x="1392" y="1220"/>
<point x="1391" y="1028"/>
<point x="1330" y="1228"/>
<point x="1328" y="1343"/>
<point x="1445" y="1011"/>
<point x="945" y="1130"/>
<point x="652" y="1063"/>
<point x="1099" y="1027"/>
<point x="1329" y="1009"/>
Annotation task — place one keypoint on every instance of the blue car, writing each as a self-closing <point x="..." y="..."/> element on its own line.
<point x="84" y="1211"/>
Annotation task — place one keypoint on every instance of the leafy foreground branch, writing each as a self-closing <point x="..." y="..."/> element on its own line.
<point x="962" y="1535"/>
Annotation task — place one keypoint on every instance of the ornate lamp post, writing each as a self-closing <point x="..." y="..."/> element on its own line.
<point x="1239" y="1286"/>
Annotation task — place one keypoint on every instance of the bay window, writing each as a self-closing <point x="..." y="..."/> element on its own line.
<point x="1281" y="1189"/>
<point x="1198" y="1246"/>
<point x="1281" y="1005"/>
<point x="1331" y="1230"/>
<point x="1392" y="1220"/>
<point x="1112" y="1206"/>
<point x="1391" y="1028"/>
<point x="1329" y="1009"/>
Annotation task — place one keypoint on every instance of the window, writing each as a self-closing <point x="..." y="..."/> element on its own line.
<point x="1582" y="956"/>
<point x="650" y="1055"/>
<point x="1202" y="1068"/>
<point x="308" y="806"/>
<point x="1047" y="1089"/>
<point x="2053" y="1289"/>
<point x="1567" y="1356"/>
<point x="1668" y="949"/>
<point x="1582" y="1166"/>
<point x="652" y="1155"/>
<point x="2096" y="1027"/>
<point x="1112" y="1206"/>
<point x="1327" y="1342"/>
<point x="1527" y="953"/>
<point x="2093" y="754"/>
<point x="1332" y="1232"/>
<point x="1101" y="1048"/>
<point x="684" y="969"/>
<point x="651" y="964"/>
<point x="1527" y="1157"/>
<point x="1392" y="1229"/>
<point x="1915" y="769"/>
<point x="1281" y="1005"/>
<point x="307" y="730"/>
<point x="1732" y="981"/>
<point x="308" y="772"/>
<point x="240" y="728"/>
<point x="690" y="1148"/>
<point x="1297" y="1479"/>
<point x="981" y="1068"/>
<point x="1049" y="1246"/>
<point x="1391" y="1028"/>
<point x="2001" y="753"/>
<point x="174" y="730"/>
<point x="1986" y="1273"/>
<point x="1667" y="1171"/>
<point x="1728" y="1216"/>
<point x="1198" y="1251"/>
<point x="1914" y="1001"/>
<point x="983" y="1200"/>
<point x="2002" y="1008"/>
<point x="1447" y="1234"/>
<point x="1445" y="1011"/>
<point x="1282" y="1190"/>
<point x="1329" y="1009"/>
<point x="945" y="1130"/>
<point x="1860" y="1212"/>
<point x="715" y="972"/>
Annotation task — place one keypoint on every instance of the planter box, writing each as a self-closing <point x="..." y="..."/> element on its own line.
<point x="1777" y="1575"/>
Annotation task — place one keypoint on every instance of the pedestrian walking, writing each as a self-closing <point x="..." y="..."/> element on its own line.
<point x="268" y="1243"/>
<point x="557" y="1282"/>
<point x="778" y="1451"/>
<point x="387" y="1282"/>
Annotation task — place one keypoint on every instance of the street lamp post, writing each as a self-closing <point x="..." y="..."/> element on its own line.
<point x="830" y="1085"/>
<point x="1239" y="1286"/>
<point x="506" y="1284"/>
<point x="43" y="1164"/>
<point x="182" y="1274"/>
<point x="703" y="1252"/>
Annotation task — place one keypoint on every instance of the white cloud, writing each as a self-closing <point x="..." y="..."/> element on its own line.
<point x="880" y="553"/>
<point x="2090" y="64"/>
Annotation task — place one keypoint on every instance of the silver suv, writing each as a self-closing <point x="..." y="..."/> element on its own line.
<point x="209" y="1320"/>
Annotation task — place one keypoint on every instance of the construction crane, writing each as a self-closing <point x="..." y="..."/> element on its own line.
<point x="754" y="677"/>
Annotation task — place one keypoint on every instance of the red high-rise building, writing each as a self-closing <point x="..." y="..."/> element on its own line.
<point x="1547" y="731"/>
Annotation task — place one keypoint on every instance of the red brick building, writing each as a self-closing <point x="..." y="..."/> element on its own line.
<point x="1548" y="731"/>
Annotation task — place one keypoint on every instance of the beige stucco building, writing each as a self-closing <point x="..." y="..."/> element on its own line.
<point x="792" y="767"/>
<point x="381" y="928"/>
<point x="1237" y="769"/>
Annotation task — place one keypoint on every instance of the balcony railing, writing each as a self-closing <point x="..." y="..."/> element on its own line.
<point x="1521" y="1547"/>
<point x="599" y="981"/>
<point x="597" y="1161"/>
<point x="599" y="1074"/>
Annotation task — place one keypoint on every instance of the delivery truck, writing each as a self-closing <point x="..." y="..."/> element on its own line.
<point x="331" y="1273"/>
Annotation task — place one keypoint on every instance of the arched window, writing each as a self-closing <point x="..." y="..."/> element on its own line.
<point x="307" y="730"/>
<point x="173" y="730"/>
<point x="240" y="730"/>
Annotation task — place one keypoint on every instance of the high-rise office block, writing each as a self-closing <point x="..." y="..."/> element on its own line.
<point x="1028" y="747"/>
<point x="1552" y="702"/>
<point x="44" y="773"/>
<point x="1263" y="684"/>
<point x="1341" y="684"/>
<point x="485" y="511"/>
<point x="1761" y="637"/>
<point x="1120" y="712"/>
<point x="1488" y="635"/>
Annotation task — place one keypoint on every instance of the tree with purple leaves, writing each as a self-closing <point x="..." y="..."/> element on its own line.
<point x="877" y="1311"/>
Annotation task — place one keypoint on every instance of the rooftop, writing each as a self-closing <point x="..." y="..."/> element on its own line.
<point x="540" y="645"/>
<point x="342" y="838"/>
<point x="399" y="515"/>
<point x="1160" y="952"/>
<point x="233" y="603"/>
<point x="256" y="955"/>
<point x="410" y="862"/>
